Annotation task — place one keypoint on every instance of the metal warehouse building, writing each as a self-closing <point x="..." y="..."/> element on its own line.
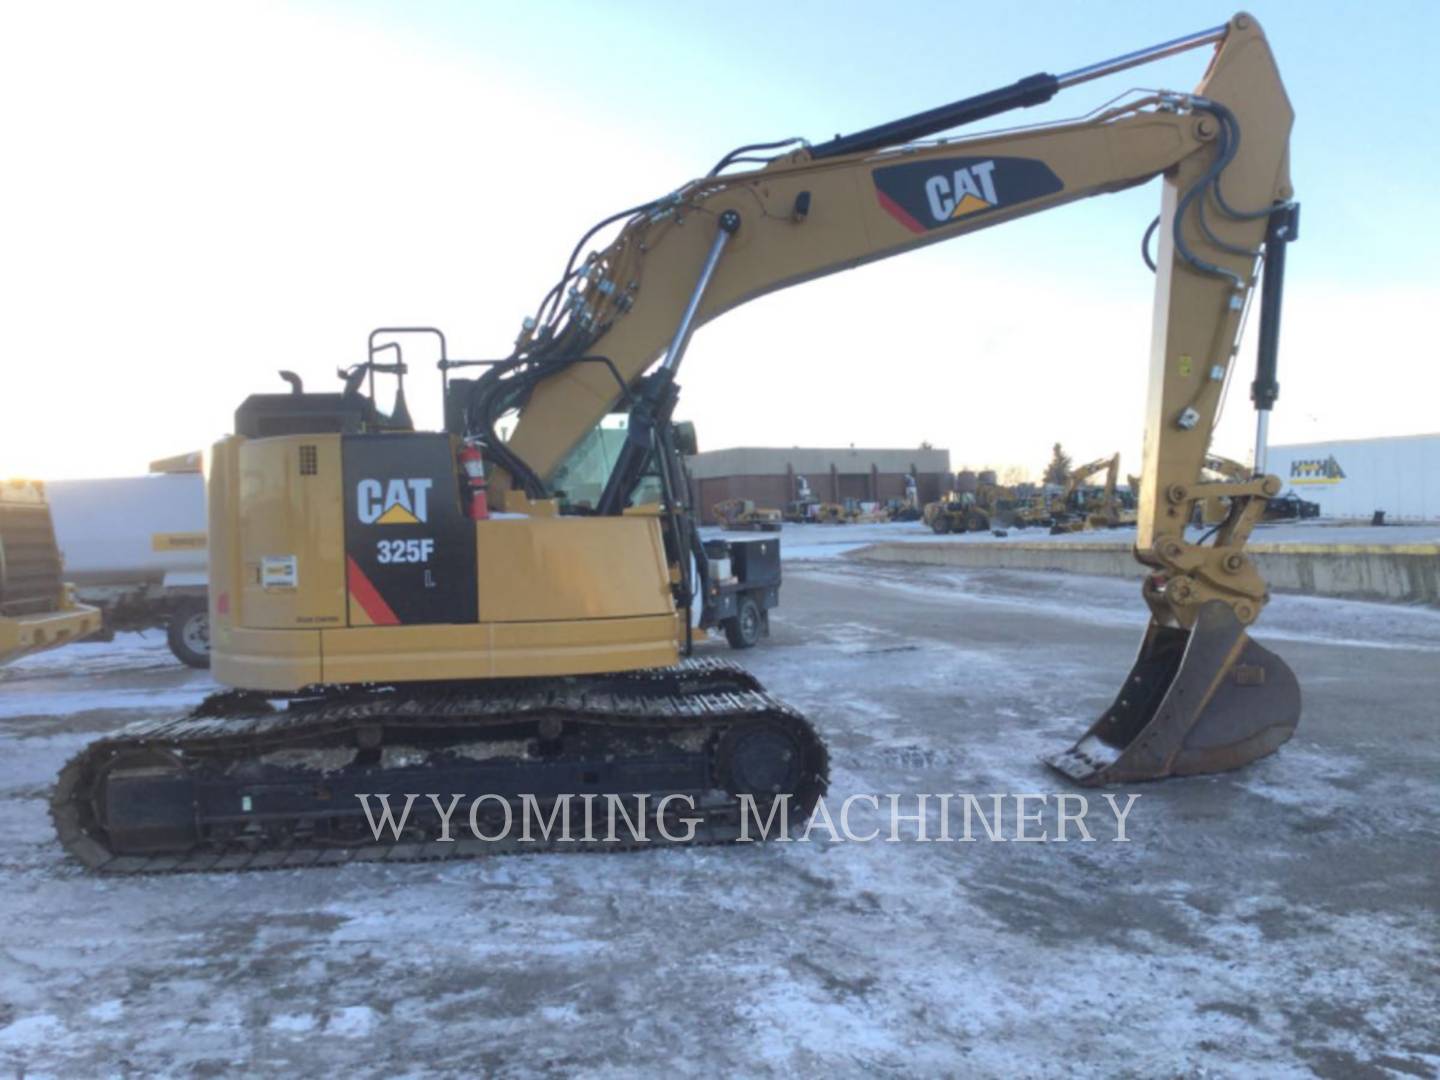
<point x="1353" y="478"/>
<point x="767" y="474"/>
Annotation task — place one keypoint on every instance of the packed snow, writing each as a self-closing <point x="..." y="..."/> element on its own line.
<point x="1278" y="920"/>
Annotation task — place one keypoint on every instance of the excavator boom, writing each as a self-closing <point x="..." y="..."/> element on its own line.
<point x="730" y="237"/>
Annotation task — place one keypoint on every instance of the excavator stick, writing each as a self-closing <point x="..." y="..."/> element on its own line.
<point x="1203" y="700"/>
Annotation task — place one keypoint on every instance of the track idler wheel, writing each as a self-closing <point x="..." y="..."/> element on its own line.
<point x="770" y="758"/>
<point x="1199" y="701"/>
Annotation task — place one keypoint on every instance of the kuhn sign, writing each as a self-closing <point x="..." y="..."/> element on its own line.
<point x="1316" y="471"/>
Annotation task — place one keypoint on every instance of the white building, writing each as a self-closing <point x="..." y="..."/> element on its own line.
<point x="1352" y="478"/>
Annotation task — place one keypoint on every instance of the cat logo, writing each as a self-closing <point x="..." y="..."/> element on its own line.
<point x="936" y="193"/>
<point x="397" y="502"/>
<point x="962" y="192"/>
<point x="1316" y="471"/>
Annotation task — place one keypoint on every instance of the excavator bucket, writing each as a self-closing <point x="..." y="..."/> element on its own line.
<point x="1196" y="701"/>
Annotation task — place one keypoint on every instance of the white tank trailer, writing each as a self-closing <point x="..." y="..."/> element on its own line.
<point x="135" y="548"/>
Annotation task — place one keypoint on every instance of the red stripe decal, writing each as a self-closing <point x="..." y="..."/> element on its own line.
<point x="367" y="596"/>
<point x="898" y="212"/>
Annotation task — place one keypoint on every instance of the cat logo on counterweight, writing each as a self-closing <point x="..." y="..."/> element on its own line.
<point x="398" y="502"/>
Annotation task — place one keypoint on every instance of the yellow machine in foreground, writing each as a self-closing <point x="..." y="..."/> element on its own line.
<point x="38" y="610"/>
<point x="389" y="630"/>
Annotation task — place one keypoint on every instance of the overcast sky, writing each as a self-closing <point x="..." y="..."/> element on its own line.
<point x="199" y="194"/>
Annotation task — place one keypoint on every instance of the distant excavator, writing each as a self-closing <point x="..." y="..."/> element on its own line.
<point x="803" y="507"/>
<point x="906" y="508"/>
<point x="403" y="611"/>
<point x="1071" y="511"/>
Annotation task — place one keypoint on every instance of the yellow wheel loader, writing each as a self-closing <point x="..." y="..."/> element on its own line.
<point x="992" y="506"/>
<point x="850" y="512"/>
<point x="955" y="513"/>
<point x="38" y="610"/>
<point x="403" y="611"/>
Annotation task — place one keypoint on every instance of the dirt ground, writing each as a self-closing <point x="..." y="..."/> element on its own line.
<point x="1279" y="920"/>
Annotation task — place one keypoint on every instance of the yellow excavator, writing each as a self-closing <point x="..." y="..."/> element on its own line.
<point x="38" y="611"/>
<point x="402" y="611"/>
<point x="1071" y="513"/>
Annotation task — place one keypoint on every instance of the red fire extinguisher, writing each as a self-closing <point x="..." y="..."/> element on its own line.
<point x="473" y="463"/>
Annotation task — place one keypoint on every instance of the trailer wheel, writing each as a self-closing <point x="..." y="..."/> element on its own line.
<point x="188" y="633"/>
<point x="742" y="630"/>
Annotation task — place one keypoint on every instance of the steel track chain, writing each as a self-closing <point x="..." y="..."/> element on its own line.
<point x="696" y="694"/>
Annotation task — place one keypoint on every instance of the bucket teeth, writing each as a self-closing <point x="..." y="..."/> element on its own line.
<point x="1199" y="701"/>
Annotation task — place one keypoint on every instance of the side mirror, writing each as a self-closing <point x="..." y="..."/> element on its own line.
<point x="685" y="439"/>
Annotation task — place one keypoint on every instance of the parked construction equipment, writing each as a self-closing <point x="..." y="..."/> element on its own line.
<point x="804" y="506"/>
<point x="135" y="548"/>
<point x="850" y="512"/>
<point x="1290" y="507"/>
<point x="1073" y="511"/>
<point x="985" y="506"/>
<point x="907" y="508"/>
<point x="406" y="611"/>
<point x="38" y="609"/>
<point x="744" y="514"/>
<point x="955" y="512"/>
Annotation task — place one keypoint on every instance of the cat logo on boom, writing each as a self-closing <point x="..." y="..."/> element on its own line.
<point x="962" y="192"/>
<point x="396" y="502"/>
<point x="925" y="195"/>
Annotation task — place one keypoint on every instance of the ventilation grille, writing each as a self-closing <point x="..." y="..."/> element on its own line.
<point x="309" y="460"/>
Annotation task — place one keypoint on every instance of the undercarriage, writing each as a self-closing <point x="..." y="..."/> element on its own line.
<point x="247" y="781"/>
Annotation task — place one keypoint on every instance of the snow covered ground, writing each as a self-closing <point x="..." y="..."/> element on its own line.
<point x="1275" y="921"/>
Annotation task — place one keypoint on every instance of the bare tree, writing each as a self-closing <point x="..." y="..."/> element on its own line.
<point x="1058" y="471"/>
